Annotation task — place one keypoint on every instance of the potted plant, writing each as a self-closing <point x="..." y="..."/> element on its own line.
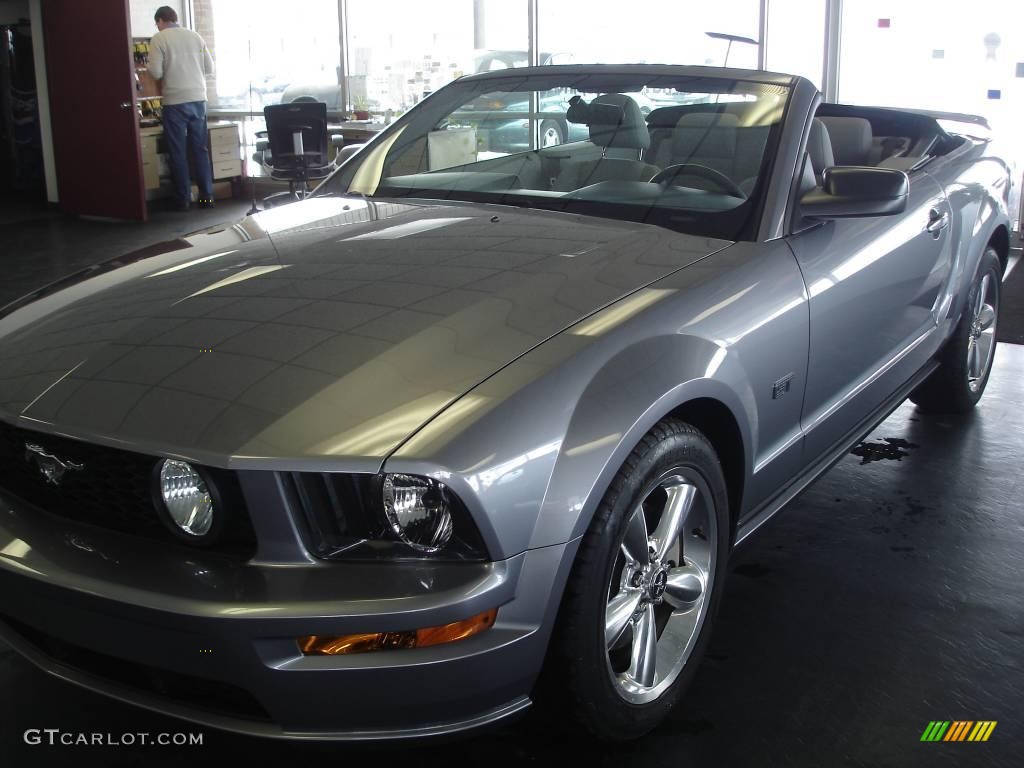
<point x="361" y="111"/>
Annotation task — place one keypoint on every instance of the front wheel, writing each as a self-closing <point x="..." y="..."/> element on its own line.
<point x="966" y="362"/>
<point x="645" y="585"/>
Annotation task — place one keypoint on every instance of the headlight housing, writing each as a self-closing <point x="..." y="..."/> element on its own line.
<point x="390" y="516"/>
<point x="419" y="511"/>
<point x="188" y="502"/>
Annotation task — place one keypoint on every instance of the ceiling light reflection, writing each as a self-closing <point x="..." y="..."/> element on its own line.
<point x="245" y="274"/>
<point x="192" y="263"/>
<point x="619" y="313"/>
<point x="481" y="481"/>
<point x="407" y="229"/>
<point x="17" y="549"/>
<point x="593" y="445"/>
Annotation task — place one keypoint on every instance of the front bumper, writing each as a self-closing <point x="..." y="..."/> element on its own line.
<point x="211" y="640"/>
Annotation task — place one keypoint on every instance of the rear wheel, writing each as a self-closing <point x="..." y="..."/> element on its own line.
<point x="645" y="585"/>
<point x="966" y="362"/>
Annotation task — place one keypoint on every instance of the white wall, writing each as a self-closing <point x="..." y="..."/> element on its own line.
<point x="12" y="10"/>
<point x="142" y="15"/>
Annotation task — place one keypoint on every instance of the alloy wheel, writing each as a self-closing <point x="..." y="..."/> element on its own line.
<point x="981" y="343"/>
<point x="659" y="591"/>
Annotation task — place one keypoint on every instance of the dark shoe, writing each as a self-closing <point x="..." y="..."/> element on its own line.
<point x="206" y="202"/>
<point x="180" y="205"/>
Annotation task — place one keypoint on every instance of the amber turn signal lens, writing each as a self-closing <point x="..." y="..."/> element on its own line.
<point x="332" y="645"/>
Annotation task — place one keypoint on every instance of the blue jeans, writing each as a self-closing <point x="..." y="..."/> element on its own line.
<point x="183" y="121"/>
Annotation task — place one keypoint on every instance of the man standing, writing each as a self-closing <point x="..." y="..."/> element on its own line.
<point x="180" y="60"/>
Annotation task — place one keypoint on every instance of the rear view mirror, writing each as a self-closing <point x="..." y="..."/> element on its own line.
<point x="850" y="192"/>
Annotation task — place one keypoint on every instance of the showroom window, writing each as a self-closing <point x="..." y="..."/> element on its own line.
<point x="903" y="54"/>
<point x="424" y="46"/>
<point x="660" y="32"/>
<point x="262" y="58"/>
<point x="910" y="55"/>
<point x="391" y="64"/>
<point x="795" y="40"/>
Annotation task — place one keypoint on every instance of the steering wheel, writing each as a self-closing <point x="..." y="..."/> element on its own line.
<point x="668" y="175"/>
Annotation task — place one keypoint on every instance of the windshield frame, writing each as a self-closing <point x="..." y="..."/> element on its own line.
<point x="739" y="223"/>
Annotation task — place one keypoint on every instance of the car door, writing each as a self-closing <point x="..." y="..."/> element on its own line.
<point x="874" y="285"/>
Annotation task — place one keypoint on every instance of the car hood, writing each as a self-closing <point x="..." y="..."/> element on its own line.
<point x="315" y="333"/>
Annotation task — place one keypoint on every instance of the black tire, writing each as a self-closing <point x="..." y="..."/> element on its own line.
<point x="951" y="388"/>
<point x="579" y="675"/>
<point x="551" y="129"/>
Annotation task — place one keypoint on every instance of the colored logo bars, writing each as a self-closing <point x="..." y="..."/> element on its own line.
<point x="958" y="730"/>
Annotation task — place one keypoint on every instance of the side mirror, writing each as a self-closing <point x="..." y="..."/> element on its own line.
<point x="851" y="191"/>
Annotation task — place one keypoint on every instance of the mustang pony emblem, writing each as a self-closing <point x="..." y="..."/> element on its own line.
<point x="53" y="469"/>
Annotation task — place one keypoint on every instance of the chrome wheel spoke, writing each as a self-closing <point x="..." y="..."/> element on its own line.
<point x="973" y="358"/>
<point x="643" y="661"/>
<point x="680" y="628"/>
<point x="979" y="302"/>
<point x="981" y="342"/>
<point x="679" y="502"/>
<point x="685" y="587"/>
<point x="618" y="614"/>
<point x="983" y="351"/>
<point x="634" y="545"/>
<point x="986" y="318"/>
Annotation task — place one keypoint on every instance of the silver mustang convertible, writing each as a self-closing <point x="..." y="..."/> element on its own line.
<point x="473" y="427"/>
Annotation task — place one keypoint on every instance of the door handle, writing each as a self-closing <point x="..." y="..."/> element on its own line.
<point x="937" y="221"/>
<point x="126" y="105"/>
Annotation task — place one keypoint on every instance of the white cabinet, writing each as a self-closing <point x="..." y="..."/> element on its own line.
<point x="225" y="150"/>
<point x="225" y="155"/>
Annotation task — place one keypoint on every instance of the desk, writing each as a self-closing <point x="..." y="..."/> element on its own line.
<point x="222" y="140"/>
<point x="356" y="131"/>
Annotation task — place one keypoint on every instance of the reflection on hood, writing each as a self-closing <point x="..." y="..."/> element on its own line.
<point x="328" y="330"/>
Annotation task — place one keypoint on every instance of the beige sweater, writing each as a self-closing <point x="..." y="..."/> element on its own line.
<point x="180" y="59"/>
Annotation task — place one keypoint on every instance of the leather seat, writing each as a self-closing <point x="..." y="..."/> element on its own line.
<point x="703" y="138"/>
<point x="630" y="138"/>
<point x="817" y="158"/>
<point x="819" y="147"/>
<point x="715" y="140"/>
<point x="851" y="139"/>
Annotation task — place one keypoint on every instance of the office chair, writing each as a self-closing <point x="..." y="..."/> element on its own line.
<point x="296" y="147"/>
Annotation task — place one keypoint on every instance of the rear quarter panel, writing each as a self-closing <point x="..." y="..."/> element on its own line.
<point x="977" y="186"/>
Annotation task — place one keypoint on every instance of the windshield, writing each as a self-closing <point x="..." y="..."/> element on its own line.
<point x="684" y="152"/>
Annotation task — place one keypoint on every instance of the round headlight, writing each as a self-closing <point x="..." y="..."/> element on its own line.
<point x="419" y="511"/>
<point x="186" y="498"/>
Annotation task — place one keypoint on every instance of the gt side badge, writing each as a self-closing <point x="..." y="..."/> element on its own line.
<point x="781" y="387"/>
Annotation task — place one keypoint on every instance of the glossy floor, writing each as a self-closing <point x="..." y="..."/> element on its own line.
<point x="887" y="596"/>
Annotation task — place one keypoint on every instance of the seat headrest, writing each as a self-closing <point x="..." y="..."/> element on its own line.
<point x="851" y="139"/>
<point x="630" y="133"/>
<point x="819" y="147"/>
<point x="705" y="134"/>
